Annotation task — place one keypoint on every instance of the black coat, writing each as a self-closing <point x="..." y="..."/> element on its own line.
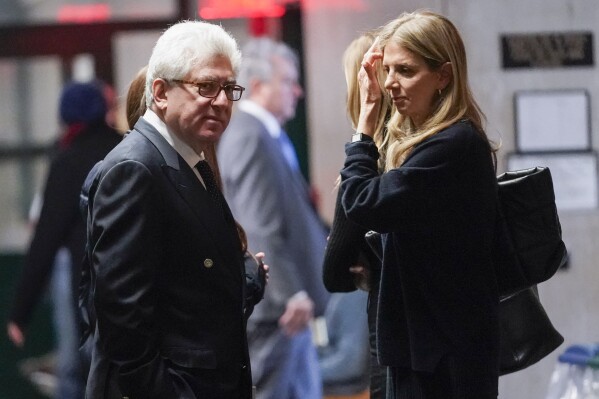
<point x="438" y="292"/>
<point x="169" y="279"/>
<point x="60" y="223"/>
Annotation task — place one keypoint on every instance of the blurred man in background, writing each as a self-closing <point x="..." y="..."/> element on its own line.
<point x="270" y="198"/>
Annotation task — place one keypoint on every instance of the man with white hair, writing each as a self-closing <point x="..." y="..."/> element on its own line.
<point x="170" y="291"/>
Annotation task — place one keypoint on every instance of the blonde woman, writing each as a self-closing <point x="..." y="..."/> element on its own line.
<point x="437" y="321"/>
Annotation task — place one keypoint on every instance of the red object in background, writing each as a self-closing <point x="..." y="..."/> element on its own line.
<point x="223" y="9"/>
<point x="258" y="27"/>
<point x="83" y="13"/>
<point x="354" y="5"/>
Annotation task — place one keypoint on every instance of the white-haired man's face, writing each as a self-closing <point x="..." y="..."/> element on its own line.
<point x="196" y="119"/>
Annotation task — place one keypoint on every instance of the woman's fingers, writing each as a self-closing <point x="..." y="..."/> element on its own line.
<point x="370" y="90"/>
<point x="373" y="54"/>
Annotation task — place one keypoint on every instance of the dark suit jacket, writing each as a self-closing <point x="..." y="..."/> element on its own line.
<point x="60" y="223"/>
<point x="438" y="291"/>
<point x="169" y="279"/>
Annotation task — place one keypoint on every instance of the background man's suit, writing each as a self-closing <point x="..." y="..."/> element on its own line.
<point x="271" y="202"/>
<point x="169" y="290"/>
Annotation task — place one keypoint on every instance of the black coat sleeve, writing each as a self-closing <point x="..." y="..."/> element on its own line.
<point x="345" y="243"/>
<point x="58" y="216"/>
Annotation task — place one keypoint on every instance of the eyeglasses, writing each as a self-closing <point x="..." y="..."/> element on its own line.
<point x="211" y="89"/>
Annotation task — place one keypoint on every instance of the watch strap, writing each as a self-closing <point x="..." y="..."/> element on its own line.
<point x="356" y="137"/>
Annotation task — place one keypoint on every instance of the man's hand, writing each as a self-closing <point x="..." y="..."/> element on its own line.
<point x="298" y="313"/>
<point x="361" y="277"/>
<point x="15" y="334"/>
<point x="262" y="269"/>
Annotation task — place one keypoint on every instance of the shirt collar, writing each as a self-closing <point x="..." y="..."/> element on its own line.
<point x="260" y="113"/>
<point x="186" y="152"/>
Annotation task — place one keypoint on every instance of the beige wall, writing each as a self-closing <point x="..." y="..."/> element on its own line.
<point x="571" y="297"/>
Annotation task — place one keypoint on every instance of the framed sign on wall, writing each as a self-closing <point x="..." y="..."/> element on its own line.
<point x="574" y="174"/>
<point x="552" y="120"/>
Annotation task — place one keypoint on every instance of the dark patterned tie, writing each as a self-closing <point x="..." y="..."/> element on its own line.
<point x="209" y="181"/>
<point x="212" y="188"/>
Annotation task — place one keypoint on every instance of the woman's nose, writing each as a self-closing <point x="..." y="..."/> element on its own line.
<point x="390" y="81"/>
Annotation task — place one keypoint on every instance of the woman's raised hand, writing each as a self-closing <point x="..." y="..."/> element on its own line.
<point x="370" y="90"/>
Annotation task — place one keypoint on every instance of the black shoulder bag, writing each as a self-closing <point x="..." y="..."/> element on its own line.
<point x="528" y="250"/>
<point x="529" y="247"/>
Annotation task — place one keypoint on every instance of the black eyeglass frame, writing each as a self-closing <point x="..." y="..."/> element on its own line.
<point x="233" y="88"/>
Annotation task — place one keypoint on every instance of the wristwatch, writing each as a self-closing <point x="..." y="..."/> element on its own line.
<point x="360" y="137"/>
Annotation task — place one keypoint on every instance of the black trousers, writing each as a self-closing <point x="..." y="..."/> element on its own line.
<point x="378" y="373"/>
<point x="453" y="378"/>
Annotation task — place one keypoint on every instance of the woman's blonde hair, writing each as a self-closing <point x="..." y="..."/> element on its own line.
<point x="352" y="62"/>
<point x="434" y="38"/>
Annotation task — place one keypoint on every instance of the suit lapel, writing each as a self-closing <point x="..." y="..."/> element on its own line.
<point x="186" y="183"/>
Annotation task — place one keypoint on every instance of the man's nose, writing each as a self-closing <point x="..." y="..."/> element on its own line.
<point x="221" y="98"/>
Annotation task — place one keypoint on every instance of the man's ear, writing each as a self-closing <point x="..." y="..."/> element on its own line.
<point x="159" y="93"/>
<point x="256" y="87"/>
<point x="445" y="75"/>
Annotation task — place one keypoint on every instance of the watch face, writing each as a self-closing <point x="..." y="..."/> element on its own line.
<point x="356" y="137"/>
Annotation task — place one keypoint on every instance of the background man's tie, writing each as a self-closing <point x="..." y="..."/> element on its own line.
<point x="288" y="151"/>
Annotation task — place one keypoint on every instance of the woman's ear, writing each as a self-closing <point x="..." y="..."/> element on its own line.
<point x="445" y="75"/>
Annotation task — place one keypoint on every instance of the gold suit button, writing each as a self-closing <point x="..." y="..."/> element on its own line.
<point x="208" y="263"/>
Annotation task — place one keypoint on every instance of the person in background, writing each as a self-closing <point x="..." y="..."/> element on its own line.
<point x="344" y="361"/>
<point x="58" y="241"/>
<point x="347" y="248"/>
<point x="269" y="196"/>
<point x="169" y="290"/>
<point x="435" y="206"/>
